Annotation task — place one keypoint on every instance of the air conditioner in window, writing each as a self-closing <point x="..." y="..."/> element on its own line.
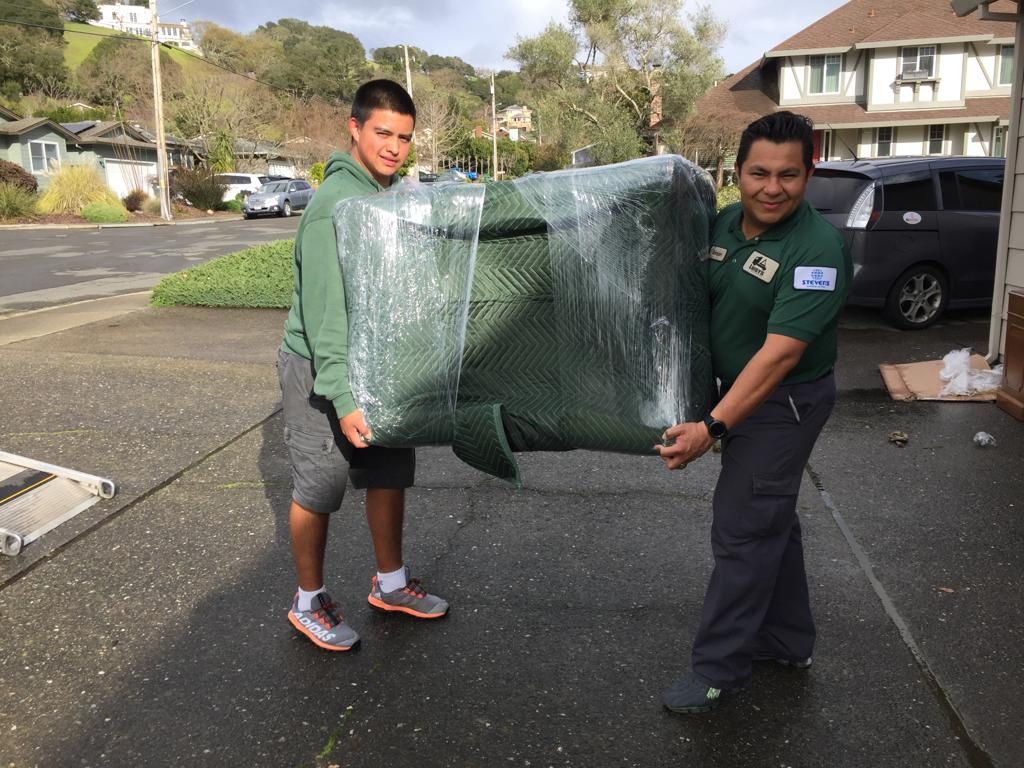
<point x="915" y="74"/>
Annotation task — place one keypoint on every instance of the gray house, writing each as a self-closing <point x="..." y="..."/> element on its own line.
<point x="123" y="156"/>
<point x="37" y="144"/>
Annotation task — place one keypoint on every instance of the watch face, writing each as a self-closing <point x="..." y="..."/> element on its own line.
<point x="716" y="428"/>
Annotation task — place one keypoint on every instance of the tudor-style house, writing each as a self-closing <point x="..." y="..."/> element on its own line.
<point x="882" y="78"/>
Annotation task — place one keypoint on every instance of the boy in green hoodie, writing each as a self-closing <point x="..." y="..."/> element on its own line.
<point x="325" y="432"/>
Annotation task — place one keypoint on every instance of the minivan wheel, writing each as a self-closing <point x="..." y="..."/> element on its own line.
<point x="286" y="209"/>
<point x="918" y="298"/>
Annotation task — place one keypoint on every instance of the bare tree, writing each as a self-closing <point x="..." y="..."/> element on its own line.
<point x="438" y="127"/>
<point x="211" y="107"/>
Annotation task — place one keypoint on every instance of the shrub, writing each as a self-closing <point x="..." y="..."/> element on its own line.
<point x="199" y="187"/>
<point x="134" y="200"/>
<point x="16" y="202"/>
<point x="728" y="195"/>
<point x="260" y="276"/>
<point x="316" y="174"/>
<point x="105" y="213"/>
<point x="73" y="189"/>
<point x="151" y="206"/>
<point x="235" y="206"/>
<point x="11" y="173"/>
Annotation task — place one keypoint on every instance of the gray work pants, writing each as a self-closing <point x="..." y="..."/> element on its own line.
<point x="757" y="601"/>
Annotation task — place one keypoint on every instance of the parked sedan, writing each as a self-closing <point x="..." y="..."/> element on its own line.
<point x="279" y="198"/>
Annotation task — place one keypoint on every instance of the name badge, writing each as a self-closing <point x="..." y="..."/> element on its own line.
<point x="761" y="267"/>
<point x="717" y="253"/>
<point x="814" y="278"/>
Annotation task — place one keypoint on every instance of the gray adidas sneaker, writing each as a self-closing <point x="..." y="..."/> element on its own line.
<point x="688" y="695"/>
<point x="412" y="599"/>
<point x="323" y="624"/>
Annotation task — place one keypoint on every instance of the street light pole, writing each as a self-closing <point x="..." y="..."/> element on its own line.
<point x="158" y="117"/>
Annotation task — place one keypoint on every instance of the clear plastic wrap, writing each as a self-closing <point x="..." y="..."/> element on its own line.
<point x="562" y="310"/>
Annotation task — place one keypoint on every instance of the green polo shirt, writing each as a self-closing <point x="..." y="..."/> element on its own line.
<point x="791" y="280"/>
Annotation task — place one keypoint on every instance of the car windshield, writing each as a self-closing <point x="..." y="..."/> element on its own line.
<point x="274" y="186"/>
<point x="833" y="191"/>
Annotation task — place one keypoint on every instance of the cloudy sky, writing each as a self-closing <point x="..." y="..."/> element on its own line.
<point x="481" y="32"/>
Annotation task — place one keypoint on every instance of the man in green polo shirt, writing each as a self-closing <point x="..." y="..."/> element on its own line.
<point x="779" y="275"/>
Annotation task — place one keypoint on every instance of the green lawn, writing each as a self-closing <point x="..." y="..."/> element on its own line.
<point x="79" y="46"/>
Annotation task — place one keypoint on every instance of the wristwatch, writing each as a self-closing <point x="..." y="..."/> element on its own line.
<point x="716" y="428"/>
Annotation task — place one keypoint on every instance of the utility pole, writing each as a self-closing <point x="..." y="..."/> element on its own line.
<point x="158" y="117"/>
<point x="408" y="72"/>
<point x="494" y="131"/>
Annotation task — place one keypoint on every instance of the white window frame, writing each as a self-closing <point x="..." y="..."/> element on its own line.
<point x="916" y="58"/>
<point x="999" y="141"/>
<point x="930" y="138"/>
<point x="46" y="166"/>
<point x="825" y="59"/>
<point x="1001" y="61"/>
<point x="878" y="140"/>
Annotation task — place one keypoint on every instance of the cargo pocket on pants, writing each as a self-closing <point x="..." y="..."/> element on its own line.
<point x="773" y="502"/>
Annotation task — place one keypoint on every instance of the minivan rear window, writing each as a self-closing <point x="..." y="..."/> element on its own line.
<point x="835" y="191"/>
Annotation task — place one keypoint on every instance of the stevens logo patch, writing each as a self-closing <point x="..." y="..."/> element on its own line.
<point x="814" y="278"/>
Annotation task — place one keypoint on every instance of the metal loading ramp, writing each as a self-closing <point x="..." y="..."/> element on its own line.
<point x="36" y="497"/>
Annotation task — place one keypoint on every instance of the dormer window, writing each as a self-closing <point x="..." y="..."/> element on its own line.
<point x="918" y="63"/>
<point x="825" y="73"/>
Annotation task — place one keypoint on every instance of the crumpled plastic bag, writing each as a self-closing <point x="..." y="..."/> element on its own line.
<point x="962" y="379"/>
<point x="984" y="440"/>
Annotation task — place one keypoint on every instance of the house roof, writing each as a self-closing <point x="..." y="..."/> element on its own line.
<point x="837" y="116"/>
<point x="109" y="132"/>
<point x="743" y="97"/>
<point x="26" y="124"/>
<point x="6" y="114"/>
<point x="868" y="23"/>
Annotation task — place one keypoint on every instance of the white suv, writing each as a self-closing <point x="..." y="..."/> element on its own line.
<point x="238" y="182"/>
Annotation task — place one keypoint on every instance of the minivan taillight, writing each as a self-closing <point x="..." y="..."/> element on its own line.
<point x="860" y="214"/>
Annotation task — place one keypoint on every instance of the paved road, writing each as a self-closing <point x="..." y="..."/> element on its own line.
<point x="44" y="267"/>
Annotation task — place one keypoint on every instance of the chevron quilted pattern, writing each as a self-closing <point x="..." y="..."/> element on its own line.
<point x="560" y="311"/>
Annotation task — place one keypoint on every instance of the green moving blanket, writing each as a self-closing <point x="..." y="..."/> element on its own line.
<point x="559" y="311"/>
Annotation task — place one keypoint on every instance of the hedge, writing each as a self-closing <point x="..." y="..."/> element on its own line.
<point x="260" y="276"/>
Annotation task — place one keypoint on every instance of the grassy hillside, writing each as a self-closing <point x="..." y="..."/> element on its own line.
<point x="79" y="46"/>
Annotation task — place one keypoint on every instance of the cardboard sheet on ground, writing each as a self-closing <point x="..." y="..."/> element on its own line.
<point x="920" y="381"/>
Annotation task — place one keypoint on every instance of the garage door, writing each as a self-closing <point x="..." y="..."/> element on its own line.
<point x="125" y="175"/>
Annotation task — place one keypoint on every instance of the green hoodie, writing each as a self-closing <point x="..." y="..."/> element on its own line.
<point x="317" y="324"/>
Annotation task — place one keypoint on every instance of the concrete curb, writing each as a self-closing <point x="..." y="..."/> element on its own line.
<point x="34" y="323"/>
<point x="184" y="223"/>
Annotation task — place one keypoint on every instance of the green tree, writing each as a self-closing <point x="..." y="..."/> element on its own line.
<point x="609" y="79"/>
<point x="117" y="73"/>
<point x="317" y="61"/>
<point x="434" y="63"/>
<point x="392" y="58"/>
<point x="77" y="10"/>
<point x="31" y="57"/>
<point x="239" y="53"/>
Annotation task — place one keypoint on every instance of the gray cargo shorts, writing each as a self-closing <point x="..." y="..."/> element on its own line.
<point x="322" y="458"/>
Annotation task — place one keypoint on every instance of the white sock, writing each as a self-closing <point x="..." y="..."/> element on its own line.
<point x="306" y="598"/>
<point x="389" y="582"/>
